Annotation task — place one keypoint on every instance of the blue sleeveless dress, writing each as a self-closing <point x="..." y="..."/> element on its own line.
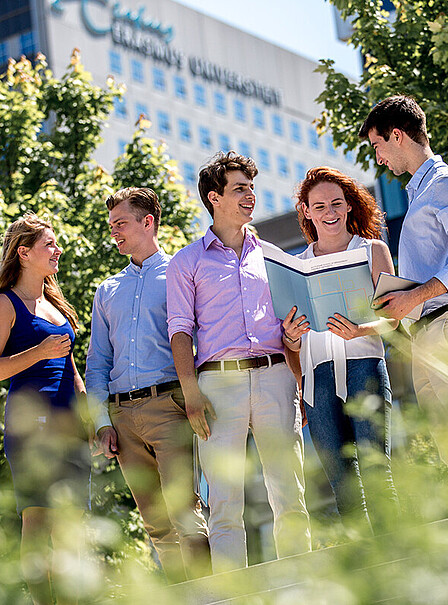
<point x="43" y="437"/>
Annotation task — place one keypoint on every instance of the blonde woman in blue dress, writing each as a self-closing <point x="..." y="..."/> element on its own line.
<point x="44" y="441"/>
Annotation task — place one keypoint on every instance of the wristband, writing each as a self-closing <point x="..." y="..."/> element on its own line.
<point x="290" y="339"/>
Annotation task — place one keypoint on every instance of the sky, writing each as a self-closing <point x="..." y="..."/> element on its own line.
<point x="303" y="26"/>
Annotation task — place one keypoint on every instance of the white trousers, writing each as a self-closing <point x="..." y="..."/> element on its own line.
<point x="264" y="400"/>
<point x="430" y="377"/>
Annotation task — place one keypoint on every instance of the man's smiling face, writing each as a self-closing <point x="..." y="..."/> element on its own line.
<point x="236" y="204"/>
<point x="389" y="153"/>
<point x="130" y="234"/>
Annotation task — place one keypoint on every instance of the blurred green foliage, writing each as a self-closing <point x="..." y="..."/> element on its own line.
<point x="406" y="54"/>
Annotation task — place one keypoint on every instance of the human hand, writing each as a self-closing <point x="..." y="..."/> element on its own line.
<point x="196" y="407"/>
<point x="295" y="328"/>
<point x="395" y="305"/>
<point x="302" y="410"/>
<point x="54" y="346"/>
<point x="343" y="327"/>
<point x="107" y="443"/>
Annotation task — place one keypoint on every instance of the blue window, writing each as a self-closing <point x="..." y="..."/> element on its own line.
<point x="27" y="44"/>
<point x="244" y="148"/>
<point x="120" y="107"/>
<point x="331" y="150"/>
<point x="122" y="146"/>
<point x="189" y="174"/>
<point x="4" y="55"/>
<point x="258" y="114"/>
<point x="180" y="89"/>
<point x="115" y="62"/>
<point x="137" y="71"/>
<point x="205" y="137"/>
<point x="239" y="110"/>
<point x="269" y="201"/>
<point x="296" y="132"/>
<point x="163" y="122"/>
<point x="300" y="171"/>
<point x="158" y="79"/>
<point x="263" y="159"/>
<point x="220" y="103"/>
<point x="313" y="139"/>
<point x="282" y="165"/>
<point x="199" y="95"/>
<point x="287" y="203"/>
<point x="184" y="131"/>
<point x="224" y="142"/>
<point x="277" y="124"/>
<point x="141" y="109"/>
<point x="349" y="155"/>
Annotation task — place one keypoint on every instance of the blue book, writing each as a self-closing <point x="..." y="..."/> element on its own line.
<point x="321" y="286"/>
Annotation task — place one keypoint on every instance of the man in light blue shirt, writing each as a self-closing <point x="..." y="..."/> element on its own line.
<point x="135" y="397"/>
<point x="396" y="128"/>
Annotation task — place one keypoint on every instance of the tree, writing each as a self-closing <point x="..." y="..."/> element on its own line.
<point x="406" y="54"/>
<point x="49" y="129"/>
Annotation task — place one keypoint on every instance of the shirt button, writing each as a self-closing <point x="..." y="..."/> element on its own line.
<point x="132" y="339"/>
<point x="136" y="296"/>
<point x="132" y="364"/>
<point x="245" y="288"/>
<point x="134" y="318"/>
<point x="247" y="311"/>
<point x="133" y="386"/>
<point x="141" y="276"/>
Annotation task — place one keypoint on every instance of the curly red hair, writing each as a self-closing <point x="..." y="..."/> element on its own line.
<point x="365" y="218"/>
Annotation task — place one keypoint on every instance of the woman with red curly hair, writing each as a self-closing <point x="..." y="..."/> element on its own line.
<point x="346" y="388"/>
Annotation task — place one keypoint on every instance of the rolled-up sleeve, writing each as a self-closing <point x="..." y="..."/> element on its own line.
<point x="99" y="365"/>
<point x="180" y="296"/>
<point x="441" y="198"/>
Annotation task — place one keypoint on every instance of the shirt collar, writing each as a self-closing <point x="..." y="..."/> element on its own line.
<point x="419" y="175"/>
<point x="149" y="262"/>
<point x="210" y="237"/>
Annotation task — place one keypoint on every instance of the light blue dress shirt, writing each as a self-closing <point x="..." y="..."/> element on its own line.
<point x="423" y="247"/>
<point x="129" y="347"/>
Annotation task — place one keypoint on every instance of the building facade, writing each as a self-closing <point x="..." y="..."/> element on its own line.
<point x="204" y="85"/>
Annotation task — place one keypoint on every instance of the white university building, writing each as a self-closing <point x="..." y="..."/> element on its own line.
<point x="205" y="86"/>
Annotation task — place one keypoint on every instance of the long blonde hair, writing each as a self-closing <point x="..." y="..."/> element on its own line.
<point x="26" y="231"/>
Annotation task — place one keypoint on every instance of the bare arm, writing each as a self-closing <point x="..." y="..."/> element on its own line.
<point x="381" y="263"/>
<point x="79" y="383"/>
<point x="51" y="348"/>
<point x="196" y="403"/>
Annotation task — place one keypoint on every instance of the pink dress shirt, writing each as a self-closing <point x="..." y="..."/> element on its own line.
<point x="224" y="299"/>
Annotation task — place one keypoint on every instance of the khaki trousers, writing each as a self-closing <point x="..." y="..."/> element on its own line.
<point x="155" y="456"/>
<point x="430" y="377"/>
<point x="262" y="399"/>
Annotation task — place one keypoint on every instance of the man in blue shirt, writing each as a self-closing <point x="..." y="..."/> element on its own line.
<point x="396" y="128"/>
<point x="136" y="400"/>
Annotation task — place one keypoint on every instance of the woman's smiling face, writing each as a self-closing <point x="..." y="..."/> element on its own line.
<point x="327" y="209"/>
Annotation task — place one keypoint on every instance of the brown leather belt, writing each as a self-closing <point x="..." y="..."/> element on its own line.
<point x="242" y="364"/>
<point x="152" y="391"/>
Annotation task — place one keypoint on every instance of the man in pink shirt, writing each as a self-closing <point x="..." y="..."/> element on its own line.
<point x="217" y="288"/>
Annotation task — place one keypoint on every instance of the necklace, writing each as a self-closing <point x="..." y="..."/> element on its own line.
<point x="39" y="299"/>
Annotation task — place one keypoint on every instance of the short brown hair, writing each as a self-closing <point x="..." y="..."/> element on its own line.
<point x="400" y="112"/>
<point x="142" y="200"/>
<point x="213" y="176"/>
<point x="365" y="218"/>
